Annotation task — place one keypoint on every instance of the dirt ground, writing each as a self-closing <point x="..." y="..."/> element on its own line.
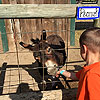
<point x="19" y="74"/>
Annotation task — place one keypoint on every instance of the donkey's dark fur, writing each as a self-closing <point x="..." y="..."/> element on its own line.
<point x="49" y="52"/>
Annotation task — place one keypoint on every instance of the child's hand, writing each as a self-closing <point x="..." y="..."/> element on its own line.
<point x="67" y="74"/>
<point x="60" y="72"/>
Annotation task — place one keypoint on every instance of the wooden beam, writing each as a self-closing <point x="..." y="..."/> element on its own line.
<point x="39" y="10"/>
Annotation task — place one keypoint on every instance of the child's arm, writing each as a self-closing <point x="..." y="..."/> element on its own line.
<point x="67" y="74"/>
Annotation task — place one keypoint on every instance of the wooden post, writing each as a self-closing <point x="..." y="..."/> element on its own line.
<point x="2" y="76"/>
<point x="72" y="28"/>
<point x="3" y="34"/>
<point x="97" y="21"/>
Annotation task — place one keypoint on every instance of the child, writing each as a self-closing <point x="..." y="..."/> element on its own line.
<point x="89" y="76"/>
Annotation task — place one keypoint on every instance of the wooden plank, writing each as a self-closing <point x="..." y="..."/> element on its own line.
<point x="65" y="94"/>
<point x="67" y="33"/>
<point x="15" y="28"/>
<point x="72" y="28"/>
<point x="3" y="34"/>
<point x="49" y="24"/>
<point x="38" y="10"/>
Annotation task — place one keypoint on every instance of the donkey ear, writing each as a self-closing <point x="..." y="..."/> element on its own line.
<point x="27" y="46"/>
<point x="35" y="41"/>
<point x="43" y="36"/>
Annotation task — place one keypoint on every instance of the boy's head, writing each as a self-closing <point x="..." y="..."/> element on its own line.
<point x="91" y="39"/>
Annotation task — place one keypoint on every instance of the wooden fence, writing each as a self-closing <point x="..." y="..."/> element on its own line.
<point x="26" y="20"/>
<point x="52" y="17"/>
<point x="28" y="27"/>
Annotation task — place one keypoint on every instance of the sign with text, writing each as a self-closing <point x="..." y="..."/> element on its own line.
<point x="88" y="13"/>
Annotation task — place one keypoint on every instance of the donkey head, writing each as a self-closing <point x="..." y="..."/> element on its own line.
<point x="43" y="53"/>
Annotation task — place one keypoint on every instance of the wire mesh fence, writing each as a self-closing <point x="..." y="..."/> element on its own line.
<point x="21" y="72"/>
<point x="20" y="78"/>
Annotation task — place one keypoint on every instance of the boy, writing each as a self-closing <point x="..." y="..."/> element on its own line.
<point x="89" y="76"/>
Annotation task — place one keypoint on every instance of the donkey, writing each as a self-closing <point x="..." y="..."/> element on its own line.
<point x="49" y="52"/>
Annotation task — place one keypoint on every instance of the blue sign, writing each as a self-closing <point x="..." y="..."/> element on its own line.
<point x="84" y="13"/>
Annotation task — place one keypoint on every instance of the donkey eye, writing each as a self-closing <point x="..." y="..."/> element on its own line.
<point x="49" y="49"/>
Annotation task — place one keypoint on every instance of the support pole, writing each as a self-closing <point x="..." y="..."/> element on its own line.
<point x="97" y="21"/>
<point x="72" y="28"/>
<point x="3" y="34"/>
